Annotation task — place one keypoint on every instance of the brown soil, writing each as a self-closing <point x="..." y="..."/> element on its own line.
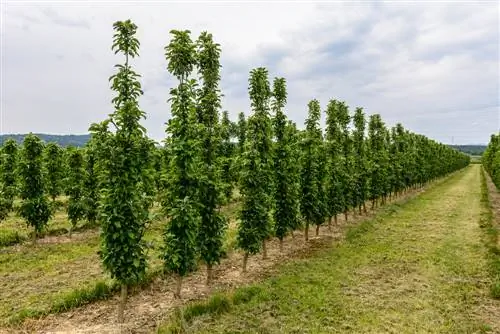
<point x="147" y="308"/>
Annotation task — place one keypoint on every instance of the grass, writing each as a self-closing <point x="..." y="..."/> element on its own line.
<point x="491" y="231"/>
<point x="36" y="280"/>
<point x="418" y="267"/>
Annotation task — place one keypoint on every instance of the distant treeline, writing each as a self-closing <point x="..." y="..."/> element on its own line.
<point x="62" y="140"/>
<point x="81" y="140"/>
<point x="470" y="149"/>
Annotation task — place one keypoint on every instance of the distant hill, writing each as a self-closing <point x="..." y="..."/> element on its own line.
<point x="470" y="149"/>
<point x="63" y="140"/>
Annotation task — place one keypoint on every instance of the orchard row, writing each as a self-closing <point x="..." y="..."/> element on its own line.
<point x="288" y="178"/>
<point x="491" y="159"/>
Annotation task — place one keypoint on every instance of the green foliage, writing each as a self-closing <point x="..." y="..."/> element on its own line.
<point x="34" y="208"/>
<point x="256" y="177"/>
<point x="241" y="132"/>
<point x="360" y="158"/>
<point x="54" y="170"/>
<point x="76" y="178"/>
<point x="181" y="201"/>
<point x="90" y="185"/>
<point x="335" y="168"/>
<point x="311" y="180"/>
<point x="8" y="177"/>
<point x="287" y="179"/>
<point x="378" y="154"/>
<point x="227" y="155"/>
<point x="123" y="206"/>
<point x="213" y="223"/>
<point x="347" y="158"/>
<point x="491" y="159"/>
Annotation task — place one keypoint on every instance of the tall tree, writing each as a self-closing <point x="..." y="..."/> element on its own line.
<point x="256" y="187"/>
<point x="54" y="170"/>
<point x="292" y="134"/>
<point x="361" y="165"/>
<point x="76" y="177"/>
<point x="123" y="213"/>
<point x="287" y="186"/>
<point x="348" y="179"/>
<point x="34" y="208"/>
<point x="334" y="140"/>
<point x="8" y="177"/>
<point x="181" y="201"/>
<point x="376" y="142"/>
<point x="311" y="204"/>
<point x="213" y="223"/>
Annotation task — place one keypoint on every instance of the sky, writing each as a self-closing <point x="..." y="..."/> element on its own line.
<point x="432" y="66"/>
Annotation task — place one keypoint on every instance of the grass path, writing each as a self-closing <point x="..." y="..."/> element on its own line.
<point x="419" y="268"/>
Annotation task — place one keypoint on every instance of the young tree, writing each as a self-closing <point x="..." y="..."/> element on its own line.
<point x="213" y="223"/>
<point x="122" y="209"/>
<point x="361" y="166"/>
<point x="376" y="144"/>
<point x="294" y="146"/>
<point x="324" y="212"/>
<point x="311" y="204"/>
<point x="35" y="207"/>
<point x="8" y="177"/>
<point x="76" y="178"/>
<point x="286" y="194"/>
<point x="181" y="201"/>
<point x="256" y="183"/>
<point x="54" y="169"/>
<point x="335" y="166"/>
<point x="348" y="178"/>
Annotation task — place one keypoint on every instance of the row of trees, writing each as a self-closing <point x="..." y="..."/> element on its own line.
<point x="288" y="178"/>
<point x="36" y="171"/>
<point x="491" y="159"/>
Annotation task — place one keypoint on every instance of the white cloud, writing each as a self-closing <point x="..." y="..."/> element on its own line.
<point x="432" y="67"/>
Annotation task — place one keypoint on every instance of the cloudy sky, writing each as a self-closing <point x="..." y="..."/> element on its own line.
<point x="433" y="66"/>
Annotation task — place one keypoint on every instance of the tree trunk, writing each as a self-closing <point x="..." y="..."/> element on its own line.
<point x="33" y="238"/>
<point x="123" y="301"/>
<point x="281" y="245"/>
<point x="335" y="219"/>
<point x="293" y="235"/>
<point x="330" y="224"/>
<point x="364" y="208"/>
<point x="70" y="231"/>
<point x="245" y="260"/>
<point x="317" y="229"/>
<point x="306" y="232"/>
<point x="345" y="216"/>
<point x="178" y="287"/>
<point x="264" y="250"/>
<point x="360" y="213"/>
<point x="209" y="274"/>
